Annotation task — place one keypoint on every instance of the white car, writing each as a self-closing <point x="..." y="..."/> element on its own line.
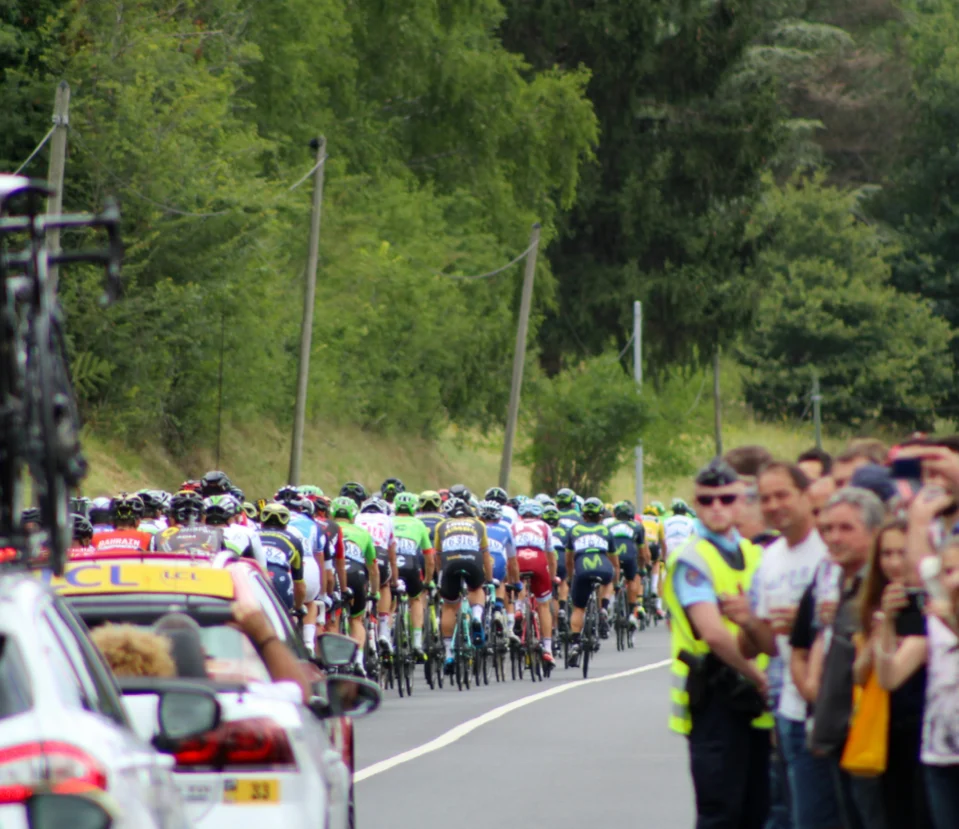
<point x="62" y="720"/>
<point x="271" y="760"/>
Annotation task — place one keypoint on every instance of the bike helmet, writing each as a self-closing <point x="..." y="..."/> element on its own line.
<point x="274" y="514"/>
<point x="151" y="503"/>
<point x="498" y="494"/>
<point x="82" y="528"/>
<point x="250" y="510"/>
<point x="530" y="509"/>
<point x="237" y="493"/>
<point x="354" y="491"/>
<point x="679" y="507"/>
<point x="444" y="494"/>
<point x="542" y="498"/>
<point x="430" y="501"/>
<point x="375" y="504"/>
<point x="660" y="509"/>
<point x="285" y="494"/>
<point x="343" y="507"/>
<point x="300" y="504"/>
<point x="219" y="509"/>
<point x="214" y="483"/>
<point x="460" y="491"/>
<point x="623" y="511"/>
<point x="310" y="491"/>
<point x="127" y="507"/>
<point x="190" y="486"/>
<point x="551" y="515"/>
<point x="457" y="508"/>
<point x="593" y="507"/>
<point x="565" y="498"/>
<point x="79" y="506"/>
<point x="186" y="506"/>
<point x="406" y="502"/>
<point x="101" y="511"/>
<point x="490" y="510"/>
<point x="322" y="504"/>
<point x="391" y="487"/>
<point x="649" y="509"/>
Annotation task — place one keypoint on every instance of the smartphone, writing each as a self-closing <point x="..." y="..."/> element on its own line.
<point x="906" y="469"/>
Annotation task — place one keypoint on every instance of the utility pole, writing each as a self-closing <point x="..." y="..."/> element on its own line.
<point x="219" y="396"/>
<point x="717" y="408"/>
<point x="638" y="376"/>
<point x="519" y="358"/>
<point x="817" y="407"/>
<point x="309" y="299"/>
<point x="58" y="161"/>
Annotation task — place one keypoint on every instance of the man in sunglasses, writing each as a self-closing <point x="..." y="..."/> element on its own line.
<point x="717" y="693"/>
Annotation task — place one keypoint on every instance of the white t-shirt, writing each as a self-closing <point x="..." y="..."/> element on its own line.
<point x="940" y="719"/>
<point x="783" y="576"/>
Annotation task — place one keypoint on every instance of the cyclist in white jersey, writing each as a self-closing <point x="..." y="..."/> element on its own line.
<point x="678" y="526"/>
<point x="375" y="518"/>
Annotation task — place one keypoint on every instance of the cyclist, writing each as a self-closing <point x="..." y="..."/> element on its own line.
<point x="678" y="526"/>
<point x="185" y="533"/>
<point x="656" y="538"/>
<point x="82" y="545"/>
<point x="284" y="554"/>
<point x="375" y="518"/>
<point x="101" y="514"/>
<point x="214" y="483"/>
<point x="126" y="512"/>
<point x="558" y="538"/>
<point x="500" y="496"/>
<point x="354" y="491"/>
<point x="534" y="554"/>
<point x="414" y="560"/>
<point x="390" y="488"/>
<point x="334" y="567"/>
<point x="502" y="550"/>
<point x="151" y="521"/>
<point x="569" y="513"/>
<point x="219" y="511"/>
<point x="362" y="572"/>
<point x="430" y="511"/>
<point x="632" y="552"/>
<point x="462" y="548"/>
<point x="590" y="552"/>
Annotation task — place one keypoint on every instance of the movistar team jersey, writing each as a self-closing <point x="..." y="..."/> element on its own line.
<point x="560" y="537"/>
<point x="500" y="539"/>
<point x="358" y="547"/>
<point x="412" y="541"/>
<point x="589" y="539"/>
<point x="629" y="536"/>
<point x="460" y="538"/>
<point x="283" y="548"/>
<point x="568" y="518"/>
<point x="431" y="519"/>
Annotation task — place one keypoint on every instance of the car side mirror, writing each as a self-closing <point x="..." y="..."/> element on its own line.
<point x="183" y="713"/>
<point x="349" y="696"/>
<point x="333" y="650"/>
<point x="78" y="811"/>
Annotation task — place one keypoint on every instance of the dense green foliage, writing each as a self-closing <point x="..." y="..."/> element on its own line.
<point x="657" y="142"/>
<point x="587" y="418"/>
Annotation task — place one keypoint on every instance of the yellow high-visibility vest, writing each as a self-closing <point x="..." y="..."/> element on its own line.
<point x="702" y="555"/>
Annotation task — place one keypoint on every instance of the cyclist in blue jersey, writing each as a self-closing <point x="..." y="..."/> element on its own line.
<point x="284" y="554"/>
<point x="502" y="549"/>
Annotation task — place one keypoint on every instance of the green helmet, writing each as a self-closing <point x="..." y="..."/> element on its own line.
<point x="660" y="509"/>
<point x="310" y="490"/>
<point x="623" y="511"/>
<point x="551" y="514"/>
<point x="406" y="502"/>
<point x="593" y="507"/>
<point x="343" y="507"/>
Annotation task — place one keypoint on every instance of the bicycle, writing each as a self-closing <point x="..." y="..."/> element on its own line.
<point x="530" y="649"/>
<point x="484" y="652"/>
<point x="433" y="641"/>
<point x="463" y="649"/>
<point x="403" y="663"/>
<point x="377" y="669"/>
<point x="39" y="418"/>
<point x="621" y="617"/>
<point x="590" y="638"/>
<point x="497" y="643"/>
<point x="516" y="662"/>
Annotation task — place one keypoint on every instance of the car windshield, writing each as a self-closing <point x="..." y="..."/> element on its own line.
<point x="16" y="695"/>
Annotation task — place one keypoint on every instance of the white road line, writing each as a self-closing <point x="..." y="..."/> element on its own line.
<point x="465" y="728"/>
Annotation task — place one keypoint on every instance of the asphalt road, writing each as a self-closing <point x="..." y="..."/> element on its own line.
<point x="582" y="755"/>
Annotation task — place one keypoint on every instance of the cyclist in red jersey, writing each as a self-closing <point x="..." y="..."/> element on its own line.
<point x="127" y="510"/>
<point x="534" y="554"/>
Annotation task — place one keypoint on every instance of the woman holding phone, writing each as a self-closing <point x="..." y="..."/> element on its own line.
<point x="893" y="621"/>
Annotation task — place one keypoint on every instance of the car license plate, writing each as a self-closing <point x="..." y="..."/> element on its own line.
<point x="251" y="791"/>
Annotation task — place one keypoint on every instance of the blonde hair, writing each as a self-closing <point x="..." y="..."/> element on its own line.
<point x="131" y="651"/>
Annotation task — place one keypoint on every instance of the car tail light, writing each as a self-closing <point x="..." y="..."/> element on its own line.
<point x="256" y="743"/>
<point x="53" y="764"/>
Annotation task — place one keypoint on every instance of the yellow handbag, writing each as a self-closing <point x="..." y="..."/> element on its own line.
<point x="867" y="746"/>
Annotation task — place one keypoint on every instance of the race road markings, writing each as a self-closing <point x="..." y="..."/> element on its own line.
<point x="465" y="728"/>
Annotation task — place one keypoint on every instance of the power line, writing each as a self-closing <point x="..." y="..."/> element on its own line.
<point x="310" y="172"/>
<point x="629" y="342"/>
<point x="36" y="149"/>
<point x="499" y="270"/>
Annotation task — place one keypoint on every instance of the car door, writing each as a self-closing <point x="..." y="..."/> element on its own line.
<point x="145" y="770"/>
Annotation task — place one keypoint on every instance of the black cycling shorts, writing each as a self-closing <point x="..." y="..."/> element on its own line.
<point x="385" y="572"/>
<point x="470" y="569"/>
<point x="358" y="581"/>
<point x="629" y="566"/>
<point x="561" y="566"/>
<point x="583" y="578"/>
<point x="413" y="579"/>
<point x="655" y="552"/>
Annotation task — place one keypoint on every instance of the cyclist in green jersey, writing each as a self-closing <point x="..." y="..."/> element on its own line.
<point x="569" y="513"/>
<point x="590" y="553"/>
<point x="362" y="571"/>
<point x="414" y="560"/>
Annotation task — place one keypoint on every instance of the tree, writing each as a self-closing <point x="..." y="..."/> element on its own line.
<point x="829" y="306"/>
<point x="587" y="418"/>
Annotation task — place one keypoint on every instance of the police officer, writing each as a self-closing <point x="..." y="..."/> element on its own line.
<point x="717" y="695"/>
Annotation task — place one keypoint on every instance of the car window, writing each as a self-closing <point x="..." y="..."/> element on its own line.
<point x="16" y="692"/>
<point x="68" y="685"/>
<point x="275" y="613"/>
<point x="104" y="688"/>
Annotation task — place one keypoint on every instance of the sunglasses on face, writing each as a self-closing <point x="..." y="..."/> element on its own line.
<point x="725" y="500"/>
